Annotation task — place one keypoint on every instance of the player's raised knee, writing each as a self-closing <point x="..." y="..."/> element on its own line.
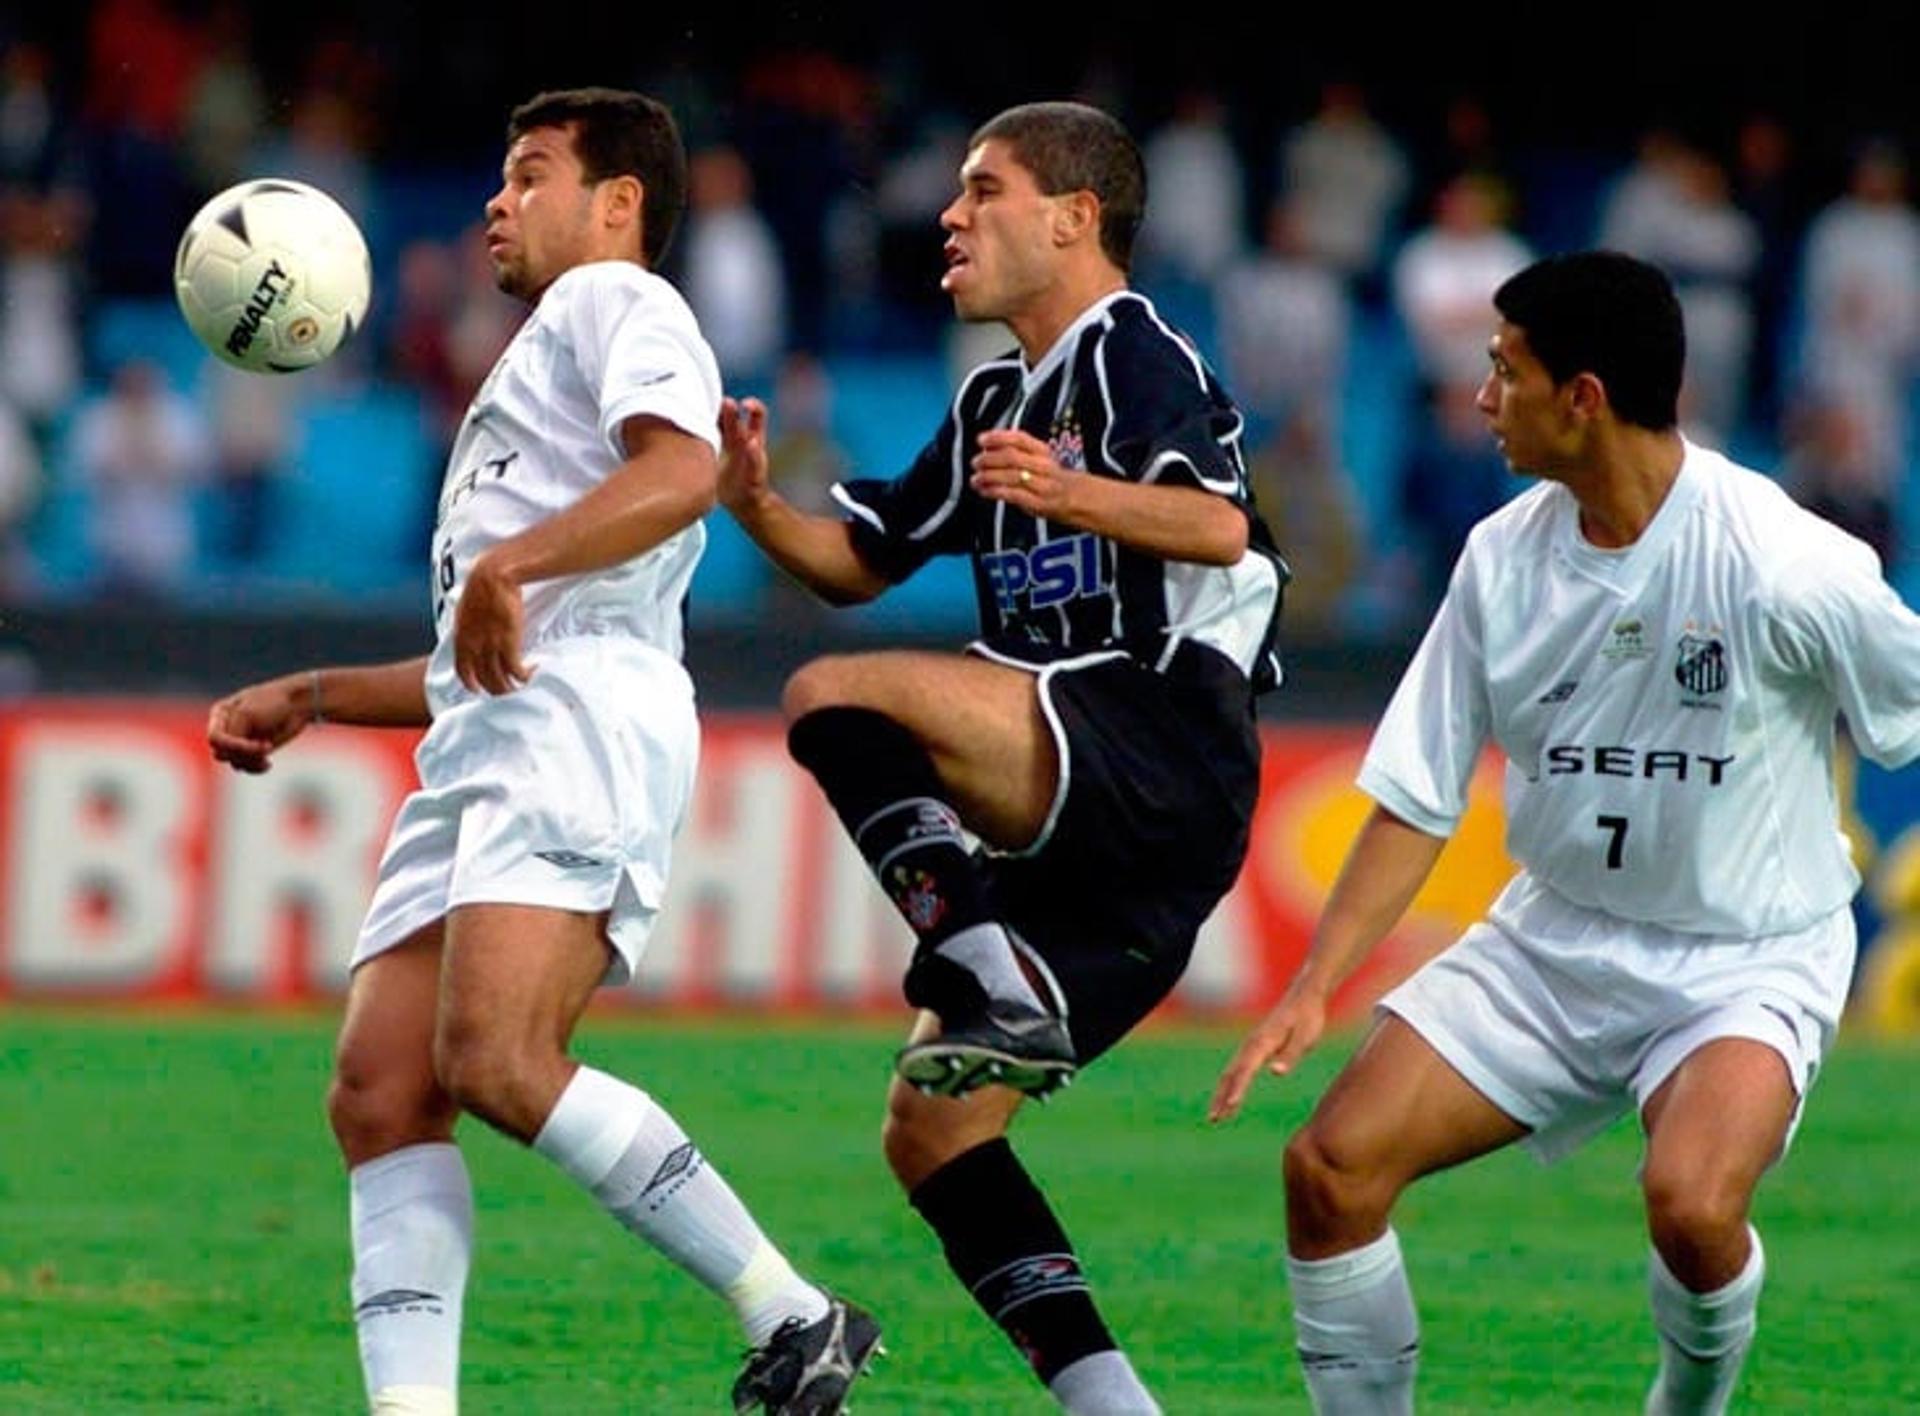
<point x="819" y="683"/>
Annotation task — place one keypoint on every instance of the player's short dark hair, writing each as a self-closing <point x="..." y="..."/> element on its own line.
<point x="617" y="133"/>
<point x="1071" y="147"/>
<point x="1607" y="314"/>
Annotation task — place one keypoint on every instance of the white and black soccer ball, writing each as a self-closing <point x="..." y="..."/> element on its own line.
<point x="273" y="276"/>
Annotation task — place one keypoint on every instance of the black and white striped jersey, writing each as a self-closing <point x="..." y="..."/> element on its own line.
<point x="1120" y="394"/>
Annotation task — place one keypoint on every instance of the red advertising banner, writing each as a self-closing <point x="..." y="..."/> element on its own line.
<point x="134" y="868"/>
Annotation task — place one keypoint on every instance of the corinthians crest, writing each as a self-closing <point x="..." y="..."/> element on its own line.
<point x="1701" y="668"/>
<point x="1064" y="443"/>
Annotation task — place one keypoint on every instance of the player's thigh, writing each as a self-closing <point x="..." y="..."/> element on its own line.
<point x="516" y="978"/>
<point x="1398" y="1111"/>
<point x="384" y="1078"/>
<point x="1716" y="1124"/>
<point x="980" y="722"/>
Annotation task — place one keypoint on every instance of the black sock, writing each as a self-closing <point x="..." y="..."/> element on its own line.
<point x="1008" y="1249"/>
<point x="891" y="800"/>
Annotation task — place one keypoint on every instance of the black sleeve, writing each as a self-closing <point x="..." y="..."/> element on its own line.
<point x="899" y="526"/>
<point x="1172" y="423"/>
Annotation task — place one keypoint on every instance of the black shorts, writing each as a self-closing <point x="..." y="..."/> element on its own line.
<point x="1159" y="777"/>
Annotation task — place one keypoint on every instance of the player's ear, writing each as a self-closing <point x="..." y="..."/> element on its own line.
<point x="622" y="200"/>
<point x="1075" y="215"/>
<point x="1586" y="395"/>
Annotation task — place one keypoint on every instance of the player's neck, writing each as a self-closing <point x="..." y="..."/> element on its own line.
<point x="1040" y="325"/>
<point x="1626" y="485"/>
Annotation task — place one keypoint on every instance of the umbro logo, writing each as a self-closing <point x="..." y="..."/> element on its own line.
<point x="568" y="860"/>
<point x="1560" y="692"/>
<point x="398" y="1300"/>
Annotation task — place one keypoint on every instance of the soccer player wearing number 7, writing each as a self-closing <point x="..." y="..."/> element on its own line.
<point x="1659" y="641"/>
<point x="558" y="766"/>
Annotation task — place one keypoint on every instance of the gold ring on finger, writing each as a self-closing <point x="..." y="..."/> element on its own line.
<point x="1025" y="476"/>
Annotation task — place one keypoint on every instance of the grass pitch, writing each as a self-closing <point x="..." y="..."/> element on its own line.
<point x="172" y="1236"/>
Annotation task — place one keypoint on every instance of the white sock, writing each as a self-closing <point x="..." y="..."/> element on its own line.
<point x="1704" y="1337"/>
<point x="984" y="951"/>
<point x="634" y="1158"/>
<point x="1358" y="1337"/>
<point x="411" y="1215"/>
<point x="1102" y="1384"/>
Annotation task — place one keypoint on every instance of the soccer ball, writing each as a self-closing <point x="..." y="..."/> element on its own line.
<point x="273" y="276"/>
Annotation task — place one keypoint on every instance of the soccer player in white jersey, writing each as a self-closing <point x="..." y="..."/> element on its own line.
<point x="555" y="771"/>
<point x="1659" y="641"/>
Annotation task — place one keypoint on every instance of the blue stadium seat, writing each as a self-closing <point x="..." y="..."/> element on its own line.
<point x="119" y="331"/>
<point x="732" y="575"/>
<point x="354" y="513"/>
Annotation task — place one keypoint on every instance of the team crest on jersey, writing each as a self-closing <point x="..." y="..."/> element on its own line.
<point x="1627" y="640"/>
<point x="1700" y="668"/>
<point x="1064" y="443"/>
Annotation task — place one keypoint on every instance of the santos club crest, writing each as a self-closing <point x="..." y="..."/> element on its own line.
<point x="1700" y="670"/>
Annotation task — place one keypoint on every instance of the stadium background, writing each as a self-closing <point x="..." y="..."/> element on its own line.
<point x="291" y="515"/>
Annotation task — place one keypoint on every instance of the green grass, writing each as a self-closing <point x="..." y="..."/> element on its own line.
<point x="172" y="1225"/>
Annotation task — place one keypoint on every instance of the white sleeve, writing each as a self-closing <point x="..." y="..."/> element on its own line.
<point x="1836" y="618"/>
<point x="1423" y="754"/>
<point x="639" y="349"/>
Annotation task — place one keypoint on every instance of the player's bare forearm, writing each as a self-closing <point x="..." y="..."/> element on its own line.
<point x="246" y="728"/>
<point x="1174" y="523"/>
<point x="665" y="485"/>
<point x="1385" y="867"/>
<point x="817" y="551"/>
<point x="1384" y="870"/>
<point x="372" y="695"/>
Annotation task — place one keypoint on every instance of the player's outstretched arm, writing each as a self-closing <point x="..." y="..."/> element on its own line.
<point x="245" y="729"/>
<point x="815" y="550"/>
<point x="1384" y="870"/>
<point x="1174" y="523"/>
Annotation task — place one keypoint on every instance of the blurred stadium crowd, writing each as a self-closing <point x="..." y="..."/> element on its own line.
<point x="1331" y="249"/>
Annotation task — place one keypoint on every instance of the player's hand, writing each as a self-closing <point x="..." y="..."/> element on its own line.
<point x="744" y="475"/>
<point x="1017" y="468"/>
<point x="1278" y="1041"/>
<point x="487" y="629"/>
<point x="246" y="728"/>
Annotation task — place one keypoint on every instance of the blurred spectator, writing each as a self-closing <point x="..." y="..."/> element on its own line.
<point x="324" y="145"/>
<point x="142" y="56"/>
<point x="484" y="319"/>
<point x="226" y="107"/>
<point x="803" y="455"/>
<point x="915" y="187"/>
<point x="1445" y="276"/>
<point x="1861" y="285"/>
<point x="1306" y="498"/>
<point x="1283" y="322"/>
<point x="1349" y="176"/>
<point x="19" y="491"/>
<point x="1196" y="222"/>
<point x="139" y="450"/>
<point x="1833" y="469"/>
<point x="1710" y="249"/>
<point x="252" y="436"/>
<point x="419" y="351"/>
<point x="800" y="113"/>
<point x="43" y="217"/>
<point x="1454" y="477"/>
<point x="1648" y="196"/>
<point x="733" y="278"/>
<point x="1767" y="189"/>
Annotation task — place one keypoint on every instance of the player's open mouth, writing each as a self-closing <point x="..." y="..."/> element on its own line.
<point x="957" y="261"/>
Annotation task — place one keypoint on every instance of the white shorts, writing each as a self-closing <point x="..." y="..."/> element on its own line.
<point x="1564" y="1017"/>
<point x="566" y="793"/>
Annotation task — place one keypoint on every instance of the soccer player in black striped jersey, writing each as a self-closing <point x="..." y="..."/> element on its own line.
<point x="1098" y="739"/>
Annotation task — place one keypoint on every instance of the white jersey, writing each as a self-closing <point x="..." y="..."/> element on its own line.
<point x="607" y="342"/>
<point x="1667" y="710"/>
